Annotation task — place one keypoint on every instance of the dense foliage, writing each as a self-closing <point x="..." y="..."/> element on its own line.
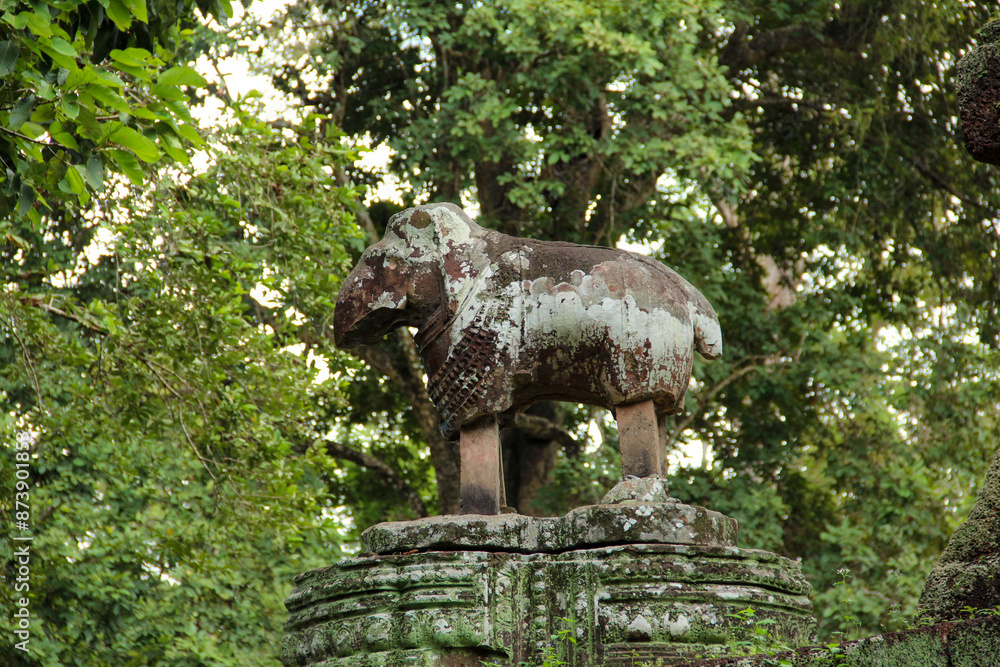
<point x="798" y="162"/>
<point x="174" y="489"/>
<point x="86" y="89"/>
<point x="164" y="344"/>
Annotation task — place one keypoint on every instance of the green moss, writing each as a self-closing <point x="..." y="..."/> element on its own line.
<point x="989" y="33"/>
<point x="968" y="572"/>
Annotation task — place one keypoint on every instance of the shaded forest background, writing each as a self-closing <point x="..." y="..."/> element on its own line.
<point x="167" y="289"/>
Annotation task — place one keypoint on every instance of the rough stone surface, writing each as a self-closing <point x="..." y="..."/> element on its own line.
<point x="639" y="489"/>
<point x="968" y="572"/>
<point x="480" y="468"/>
<point x="639" y="439"/>
<point x="974" y="643"/>
<point x="977" y="80"/>
<point x="622" y="604"/>
<point x="592" y="525"/>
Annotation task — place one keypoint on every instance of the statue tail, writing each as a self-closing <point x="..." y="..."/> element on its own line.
<point x="707" y="332"/>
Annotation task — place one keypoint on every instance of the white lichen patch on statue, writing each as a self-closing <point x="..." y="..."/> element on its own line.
<point x="641" y="626"/>
<point x="679" y="626"/>
<point x="386" y="300"/>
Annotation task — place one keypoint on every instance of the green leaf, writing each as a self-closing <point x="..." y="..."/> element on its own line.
<point x="181" y="76"/>
<point x="56" y="48"/>
<point x="118" y="12"/>
<point x="129" y="165"/>
<point x="87" y="124"/>
<point x="40" y="27"/>
<point x="101" y="77"/>
<point x="180" y="110"/>
<point x="17" y="22"/>
<point x="141" y="73"/>
<point x="174" y="152"/>
<point x="70" y="105"/>
<point x="25" y="199"/>
<point x="61" y="46"/>
<point x="46" y="90"/>
<point x="42" y="9"/>
<point x="190" y="133"/>
<point x="20" y="112"/>
<point x="33" y="130"/>
<point x="129" y="57"/>
<point x="138" y="9"/>
<point x="167" y="93"/>
<point x="227" y="8"/>
<point x="9" y="53"/>
<point x="109" y="98"/>
<point x="146" y="114"/>
<point x="74" y="178"/>
<point x="143" y="148"/>
<point x="43" y="114"/>
<point x="59" y="132"/>
<point x="94" y="174"/>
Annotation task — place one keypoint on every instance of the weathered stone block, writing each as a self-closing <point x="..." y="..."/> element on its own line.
<point x="927" y="649"/>
<point x="589" y="526"/>
<point x="975" y="644"/>
<point x="659" y="601"/>
<point x="639" y="489"/>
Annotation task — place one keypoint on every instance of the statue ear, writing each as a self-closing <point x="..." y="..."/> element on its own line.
<point x="463" y="256"/>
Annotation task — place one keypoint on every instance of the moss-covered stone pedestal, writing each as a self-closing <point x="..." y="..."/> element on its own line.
<point x="629" y="581"/>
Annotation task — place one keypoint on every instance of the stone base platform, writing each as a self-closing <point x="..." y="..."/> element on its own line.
<point x="589" y="526"/>
<point x="629" y="582"/>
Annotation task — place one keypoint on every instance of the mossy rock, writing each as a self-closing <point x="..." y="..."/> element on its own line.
<point x="439" y="608"/>
<point x="967" y="576"/>
<point x="977" y="81"/>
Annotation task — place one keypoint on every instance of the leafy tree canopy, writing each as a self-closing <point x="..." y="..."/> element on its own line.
<point x="89" y="88"/>
<point x="196" y="438"/>
<point x="174" y="486"/>
<point x="796" y="161"/>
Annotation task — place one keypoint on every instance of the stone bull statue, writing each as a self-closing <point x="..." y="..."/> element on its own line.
<point x="503" y="322"/>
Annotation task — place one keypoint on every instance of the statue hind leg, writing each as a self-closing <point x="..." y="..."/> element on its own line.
<point x="664" y="437"/>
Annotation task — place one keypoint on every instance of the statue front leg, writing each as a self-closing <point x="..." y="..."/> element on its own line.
<point x="639" y="440"/>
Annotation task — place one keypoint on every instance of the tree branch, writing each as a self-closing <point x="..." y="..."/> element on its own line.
<point x="38" y="302"/>
<point x="940" y="182"/>
<point x="339" y="450"/>
<point x="359" y="210"/>
<point x="744" y="50"/>
<point x="541" y="428"/>
<point x="409" y="381"/>
<point x="848" y="28"/>
<point x="778" y="282"/>
<point x="771" y="99"/>
<point x="703" y="400"/>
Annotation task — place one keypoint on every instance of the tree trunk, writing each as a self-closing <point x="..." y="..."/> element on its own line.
<point x="528" y="460"/>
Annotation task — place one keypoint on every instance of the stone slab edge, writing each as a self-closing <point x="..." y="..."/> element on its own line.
<point x="974" y="643"/>
<point x="628" y="522"/>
